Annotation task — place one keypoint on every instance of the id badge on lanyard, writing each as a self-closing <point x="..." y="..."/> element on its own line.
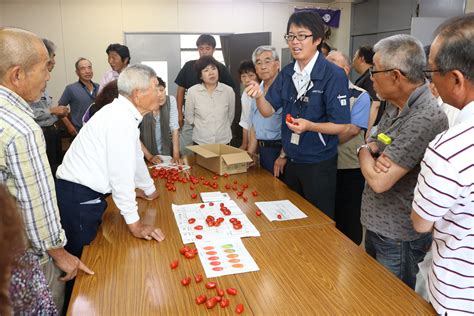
<point x="303" y="100"/>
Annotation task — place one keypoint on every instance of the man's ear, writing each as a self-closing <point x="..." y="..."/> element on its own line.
<point x="458" y="83"/>
<point x="15" y="75"/>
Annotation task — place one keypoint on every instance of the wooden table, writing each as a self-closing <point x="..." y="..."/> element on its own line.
<point x="306" y="266"/>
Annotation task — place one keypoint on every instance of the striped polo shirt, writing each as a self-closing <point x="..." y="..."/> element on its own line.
<point x="445" y="195"/>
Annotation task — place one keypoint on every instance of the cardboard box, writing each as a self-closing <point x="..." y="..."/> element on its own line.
<point x="221" y="158"/>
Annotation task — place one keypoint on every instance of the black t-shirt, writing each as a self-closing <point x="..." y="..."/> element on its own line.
<point x="366" y="83"/>
<point x="187" y="76"/>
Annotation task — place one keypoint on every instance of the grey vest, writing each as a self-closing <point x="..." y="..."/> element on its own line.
<point x="147" y="130"/>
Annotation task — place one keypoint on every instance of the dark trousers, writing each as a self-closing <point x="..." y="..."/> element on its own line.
<point x="315" y="182"/>
<point x="268" y="155"/>
<point x="52" y="137"/>
<point x="399" y="257"/>
<point x="349" y="188"/>
<point x="80" y="221"/>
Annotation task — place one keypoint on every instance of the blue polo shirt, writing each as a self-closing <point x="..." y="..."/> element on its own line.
<point x="326" y="101"/>
<point x="266" y="128"/>
<point x="79" y="99"/>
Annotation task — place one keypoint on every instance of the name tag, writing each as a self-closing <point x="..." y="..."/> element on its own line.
<point x="295" y="138"/>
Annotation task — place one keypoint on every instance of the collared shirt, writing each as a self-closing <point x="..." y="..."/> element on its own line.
<point x="174" y="125"/>
<point x="43" y="116"/>
<point x="445" y="195"/>
<point x="79" y="99"/>
<point x="106" y="157"/>
<point x="325" y="101"/>
<point x="302" y="77"/>
<point x="25" y="170"/>
<point x="211" y="114"/>
<point x="246" y="102"/>
<point x="266" y="128"/>
<point x="109" y="75"/>
<point x="410" y="130"/>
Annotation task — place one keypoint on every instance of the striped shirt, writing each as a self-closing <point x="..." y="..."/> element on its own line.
<point x="445" y="195"/>
<point x="25" y="170"/>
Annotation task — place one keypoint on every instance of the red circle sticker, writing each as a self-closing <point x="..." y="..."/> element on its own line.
<point x="218" y="268"/>
<point x="213" y="258"/>
<point x="211" y="253"/>
<point x="215" y="263"/>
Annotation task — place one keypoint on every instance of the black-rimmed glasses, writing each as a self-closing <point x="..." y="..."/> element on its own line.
<point x="299" y="37"/>
<point x="373" y="72"/>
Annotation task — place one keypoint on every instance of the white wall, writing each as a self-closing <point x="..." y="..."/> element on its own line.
<point x="84" y="28"/>
<point x="469" y="6"/>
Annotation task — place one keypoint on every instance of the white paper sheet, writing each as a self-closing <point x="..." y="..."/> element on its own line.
<point x="284" y="208"/>
<point x="225" y="256"/>
<point x="183" y="213"/>
<point x="214" y="196"/>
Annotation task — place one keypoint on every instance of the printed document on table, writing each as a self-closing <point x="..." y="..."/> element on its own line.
<point x="283" y="209"/>
<point x="214" y="196"/>
<point x="191" y="221"/>
<point x="225" y="256"/>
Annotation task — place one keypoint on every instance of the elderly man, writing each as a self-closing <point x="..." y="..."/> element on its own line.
<point x="312" y="92"/>
<point x="443" y="201"/>
<point x="265" y="132"/>
<point x="24" y="166"/>
<point x="350" y="181"/>
<point x="81" y="94"/>
<point x="412" y="119"/>
<point x="106" y="157"/>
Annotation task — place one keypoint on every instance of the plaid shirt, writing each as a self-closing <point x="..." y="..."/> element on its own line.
<point x="25" y="170"/>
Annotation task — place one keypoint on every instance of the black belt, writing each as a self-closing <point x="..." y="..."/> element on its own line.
<point x="269" y="143"/>
<point x="48" y="128"/>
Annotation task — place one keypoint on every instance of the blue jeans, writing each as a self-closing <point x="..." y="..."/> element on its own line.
<point x="399" y="257"/>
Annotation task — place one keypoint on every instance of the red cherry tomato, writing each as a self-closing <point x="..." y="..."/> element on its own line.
<point x="258" y="213"/>
<point x="235" y="182"/>
<point x="279" y="216"/>
<point x="224" y="302"/>
<point x="191" y="220"/>
<point x="245" y="198"/>
<point x="218" y="298"/>
<point x="245" y="185"/>
<point x="220" y="292"/>
<point x="198" y="278"/>
<point x="231" y="291"/>
<point x="184" y="250"/>
<point x="215" y="177"/>
<point x="194" y="195"/>
<point x="226" y="175"/>
<point x="174" y="264"/>
<point x="210" y="285"/>
<point x="254" y="193"/>
<point x="198" y="227"/>
<point x="221" y="205"/>
<point x="189" y="254"/>
<point x="237" y="226"/>
<point x="201" y="299"/>
<point x="211" y="204"/>
<point x="198" y="236"/>
<point x="239" y="193"/>
<point x="227" y="186"/>
<point x="239" y="308"/>
<point x="210" y="303"/>
<point x="202" y="206"/>
<point x="186" y="281"/>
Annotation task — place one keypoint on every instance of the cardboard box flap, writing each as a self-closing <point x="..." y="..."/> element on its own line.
<point x="201" y="151"/>
<point x="232" y="159"/>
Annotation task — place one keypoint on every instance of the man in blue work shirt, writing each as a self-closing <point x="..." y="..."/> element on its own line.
<point x="265" y="132"/>
<point x="315" y="93"/>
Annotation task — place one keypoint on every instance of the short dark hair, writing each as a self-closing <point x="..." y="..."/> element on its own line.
<point x="161" y="82"/>
<point x="326" y="46"/>
<point x="203" y="62"/>
<point x="120" y="49"/>
<point x="246" y="66"/>
<point x="309" y="20"/>
<point x="456" y="45"/>
<point x="367" y="53"/>
<point x="106" y="96"/>
<point x="50" y="46"/>
<point x="206" y="39"/>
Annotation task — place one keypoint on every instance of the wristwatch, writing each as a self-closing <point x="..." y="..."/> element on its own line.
<point x="364" y="146"/>
<point x="282" y="155"/>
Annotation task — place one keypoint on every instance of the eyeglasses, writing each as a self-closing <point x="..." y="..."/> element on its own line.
<point x="265" y="62"/>
<point x="299" y="37"/>
<point x="372" y="72"/>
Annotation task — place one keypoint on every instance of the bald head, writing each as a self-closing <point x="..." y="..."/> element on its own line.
<point x="340" y="60"/>
<point x="23" y="63"/>
<point x="18" y="48"/>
